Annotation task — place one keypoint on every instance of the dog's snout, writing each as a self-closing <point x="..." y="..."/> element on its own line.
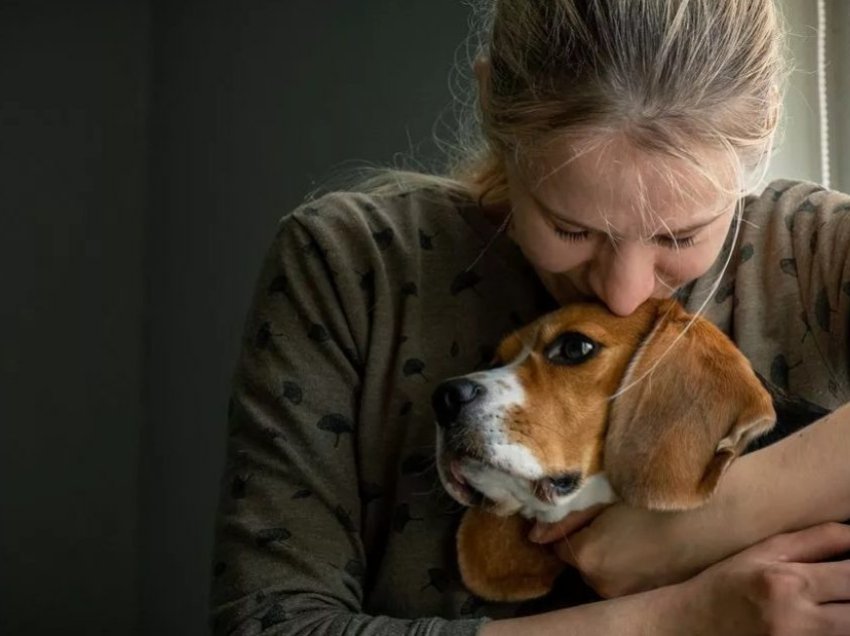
<point x="451" y="396"/>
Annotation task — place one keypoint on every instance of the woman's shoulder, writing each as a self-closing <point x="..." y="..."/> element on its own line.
<point x="794" y="228"/>
<point x="381" y="217"/>
<point x="794" y="233"/>
<point x="787" y="289"/>
<point x="404" y="231"/>
<point x="787" y="198"/>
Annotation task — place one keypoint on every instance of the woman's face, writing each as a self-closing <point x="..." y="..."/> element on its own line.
<point x="617" y="224"/>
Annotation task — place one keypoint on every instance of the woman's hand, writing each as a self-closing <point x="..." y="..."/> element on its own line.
<point x="792" y="484"/>
<point x="776" y="587"/>
<point x="626" y="550"/>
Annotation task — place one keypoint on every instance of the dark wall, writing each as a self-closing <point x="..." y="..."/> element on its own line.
<point x="251" y="101"/>
<point x="73" y="103"/>
<point x="146" y="151"/>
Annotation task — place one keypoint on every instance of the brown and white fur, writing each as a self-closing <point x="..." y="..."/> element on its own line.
<point x="583" y="407"/>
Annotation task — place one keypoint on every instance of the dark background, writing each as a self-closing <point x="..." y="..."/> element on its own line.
<point x="147" y="150"/>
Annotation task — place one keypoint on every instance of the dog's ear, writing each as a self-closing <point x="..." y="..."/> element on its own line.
<point x="694" y="405"/>
<point x="498" y="562"/>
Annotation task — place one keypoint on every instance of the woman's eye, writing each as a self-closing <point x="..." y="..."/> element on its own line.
<point x="673" y="243"/>
<point x="570" y="236"/>
<point x="572" y="348"/>
<point x="668" y="242"/>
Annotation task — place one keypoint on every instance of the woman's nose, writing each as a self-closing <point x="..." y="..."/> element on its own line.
<point x="623" y="276"/>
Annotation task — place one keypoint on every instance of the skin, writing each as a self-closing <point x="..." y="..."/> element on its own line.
<point x="790" y="485"/>
<point x="607" y="225"/>
<point x="574" y="216"/>
<point x="776" y="587"/>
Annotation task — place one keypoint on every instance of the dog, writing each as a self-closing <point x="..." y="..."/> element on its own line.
<point x="581" y="408"/>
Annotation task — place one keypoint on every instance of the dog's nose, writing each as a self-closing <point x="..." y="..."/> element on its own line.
<point x="451" y="396"/>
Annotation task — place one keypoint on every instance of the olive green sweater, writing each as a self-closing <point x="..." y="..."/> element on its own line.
<point x="332" y="518"/>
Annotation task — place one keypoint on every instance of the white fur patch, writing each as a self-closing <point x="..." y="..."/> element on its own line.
<point x="504" y="392"/>
<point x="514" y="495"/>
<point x="509" y="471"/>
<point x="594" y="490"/>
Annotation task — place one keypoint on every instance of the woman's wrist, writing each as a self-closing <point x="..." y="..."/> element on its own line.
<point x="792" y="484"/>
<point x="765" y="493"/>
<point x="803" y="479"/>
<point x="660" y="612"/>
<point x="733" y="519"/>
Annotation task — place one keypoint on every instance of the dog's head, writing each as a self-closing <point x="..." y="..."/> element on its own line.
<point x="582" y="407"/>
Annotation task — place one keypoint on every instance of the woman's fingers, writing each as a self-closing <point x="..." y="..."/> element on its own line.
<point x="549" y="532"/>
<point x="828" y="582"/>
<point x="564" y="551"/>
<point x="834" y="618"/>
<point x="817" y="543"/>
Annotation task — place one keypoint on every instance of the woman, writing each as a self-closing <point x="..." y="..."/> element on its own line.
<point x="617" y="142"/>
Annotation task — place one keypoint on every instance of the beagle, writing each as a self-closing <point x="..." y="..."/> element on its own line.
<point x="582" y="408"/>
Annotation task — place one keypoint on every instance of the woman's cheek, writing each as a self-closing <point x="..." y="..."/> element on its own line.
<point x="558" y="258"/>
<point x="682" y="267"/>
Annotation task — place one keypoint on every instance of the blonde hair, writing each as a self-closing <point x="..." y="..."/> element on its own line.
<point x="672" y="76"/>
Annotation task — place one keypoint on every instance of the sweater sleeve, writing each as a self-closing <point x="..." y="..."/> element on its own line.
<point x="792" y="297"/>
<point x="289" y="558"/>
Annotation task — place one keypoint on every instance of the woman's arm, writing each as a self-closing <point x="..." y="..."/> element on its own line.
<point x="800" y="481"/>
<point x="773" y="587"/>
<point x="795" y="483"/>
<point x="290" y="555"/>
<point x="658" y="612"/>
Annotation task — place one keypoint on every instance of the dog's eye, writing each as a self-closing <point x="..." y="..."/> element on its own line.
<point x="572" y="348"/>
<point x="565" y="484"/>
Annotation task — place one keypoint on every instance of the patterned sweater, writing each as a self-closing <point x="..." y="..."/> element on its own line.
<point x="332" y="518"/>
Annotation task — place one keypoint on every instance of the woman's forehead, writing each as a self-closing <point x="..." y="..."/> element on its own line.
<point x="616" y="185"/>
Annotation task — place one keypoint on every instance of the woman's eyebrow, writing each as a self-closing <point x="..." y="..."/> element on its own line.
<point x="679" y="232"/>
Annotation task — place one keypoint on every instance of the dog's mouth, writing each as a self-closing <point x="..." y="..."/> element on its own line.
<point x="456" y="484"/>
<point x="460" y="470"/>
